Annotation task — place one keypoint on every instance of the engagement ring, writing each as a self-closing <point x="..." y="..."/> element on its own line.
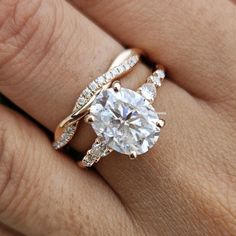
<point x="124" y="120"/>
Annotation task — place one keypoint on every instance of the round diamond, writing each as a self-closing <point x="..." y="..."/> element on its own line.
<point x="126" y="120"/>
<point x="100" y="80"/>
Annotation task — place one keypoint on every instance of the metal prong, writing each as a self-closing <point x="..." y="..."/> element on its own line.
<point x="133" y="155"/>
<point x="116" y="86"/>
<point x="97" y="141"/>
<point x="89" y="119"/>
<point x="161" y="123"/>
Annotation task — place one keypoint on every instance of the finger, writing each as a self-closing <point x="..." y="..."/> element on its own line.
<point x="194" y="39"/>
<point x="43" y="193"/>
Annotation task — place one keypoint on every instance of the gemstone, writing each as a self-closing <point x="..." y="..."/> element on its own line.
<point x="65" y="137"/>
<point x="148" y="90"/>
<point x="157" y="77"/>
<point x="126" y="121"/>
<point x="89" y="160"/>
<point x="99" y="149"/>
<point x="133" y="60"/>
<point x="81" y="100"/>
<point x="87" y="93"/>
<point x="109" y="76"/>
<point x="115" y="71"/>
<point x="93" y="86"/>
<point x="100" y="80"/>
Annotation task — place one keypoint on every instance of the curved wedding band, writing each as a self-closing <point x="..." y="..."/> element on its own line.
<point x="123" y="64"/>
<point x="124" y="120"/>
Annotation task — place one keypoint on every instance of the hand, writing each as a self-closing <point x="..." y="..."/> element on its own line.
<point x="185" y="185"/>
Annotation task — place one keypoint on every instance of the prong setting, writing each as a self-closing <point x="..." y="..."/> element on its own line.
<point x="89" y="119"/>
<point x="116" y="86"/>
<point x="161" y="123"/>
<point x="133" y="155"/>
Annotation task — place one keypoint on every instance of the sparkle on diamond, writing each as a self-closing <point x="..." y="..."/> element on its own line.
<point x="126" y="121"/>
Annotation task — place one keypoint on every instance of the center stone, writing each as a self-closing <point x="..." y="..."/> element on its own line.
<point x="125" y="120"/>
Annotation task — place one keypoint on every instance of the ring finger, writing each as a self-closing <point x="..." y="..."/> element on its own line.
<point x="49" y="53"/>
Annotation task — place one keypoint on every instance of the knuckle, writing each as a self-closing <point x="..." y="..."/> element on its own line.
<point x="26" y="28"/>
<point x="17" y="27"/>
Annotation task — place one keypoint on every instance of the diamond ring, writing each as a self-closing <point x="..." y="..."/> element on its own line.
<point x="124" y="120"/>
<point x="123" y="64"/>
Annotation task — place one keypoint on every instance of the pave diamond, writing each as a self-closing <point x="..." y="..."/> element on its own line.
<point x="100" y="80"/>
<point x="148" y="90"/>
<point x="109" y="76"/>
<point x="81" y="100"/>
<point x="99" y="148"/>
<point x="87" y="93"/>
<point x="93" y="86"/>
<point x="65" y="137"/>
<point x="126" y="121"/>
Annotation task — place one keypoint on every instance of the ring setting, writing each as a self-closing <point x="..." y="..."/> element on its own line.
<point x="124" y="120"/>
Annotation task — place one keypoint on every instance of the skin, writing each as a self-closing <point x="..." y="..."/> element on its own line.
<point x="185" y="185"/>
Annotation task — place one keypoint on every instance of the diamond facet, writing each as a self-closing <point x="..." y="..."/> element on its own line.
<point x="126" y="121"/>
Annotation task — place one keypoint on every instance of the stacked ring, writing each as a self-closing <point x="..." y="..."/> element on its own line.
<point x="124" y="120"/>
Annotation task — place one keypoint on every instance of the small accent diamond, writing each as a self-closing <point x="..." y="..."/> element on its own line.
<point x="133" y="60"/>
<point x="88" y="160"/>
<point x="109" y="76"/>
<point x="100" y="81"/>
<point x="148" y="90"/>
<point x="121" y="69"/>
<point x="93" y="86"/>
<point x="87" y="93"/>
<point x="157" y="77"/>
<point x="99" y="148"/>
<point x="65" y="137"/>
<point x="127" y="66"/>
<point x="115" y="71"/>
<point x="81" y="100"/>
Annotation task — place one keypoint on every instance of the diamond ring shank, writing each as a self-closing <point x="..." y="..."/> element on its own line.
<point x="123" y="64"/>
<point x="124" y="120"/>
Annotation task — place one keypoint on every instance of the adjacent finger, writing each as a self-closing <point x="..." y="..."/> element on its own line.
<point x="43" y="193"/>
<point x="194" y="39"/>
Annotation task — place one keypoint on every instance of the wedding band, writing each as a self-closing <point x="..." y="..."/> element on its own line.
<point x="124" y="120"/>
<point x="123" y="64"/>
